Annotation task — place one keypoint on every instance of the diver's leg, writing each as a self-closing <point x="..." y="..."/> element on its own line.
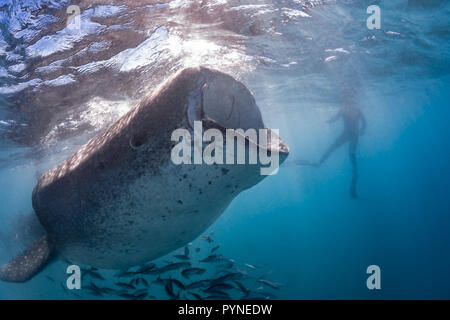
<point x="343" y="138"/>
<point x="352" y="153"/>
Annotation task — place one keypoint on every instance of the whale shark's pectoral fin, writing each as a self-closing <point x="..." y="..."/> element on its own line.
<point x="28" y="263"/>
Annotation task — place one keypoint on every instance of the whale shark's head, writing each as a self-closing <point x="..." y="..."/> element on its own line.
<point x="196" y="100"/>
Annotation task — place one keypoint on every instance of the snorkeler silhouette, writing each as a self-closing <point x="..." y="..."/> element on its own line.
<point x="354" y="126"/>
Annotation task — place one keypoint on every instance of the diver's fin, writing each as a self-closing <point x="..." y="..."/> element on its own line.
<point x="28" y="263"/>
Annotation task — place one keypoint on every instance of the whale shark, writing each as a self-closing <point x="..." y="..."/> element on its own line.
<point x="120" y="201"/>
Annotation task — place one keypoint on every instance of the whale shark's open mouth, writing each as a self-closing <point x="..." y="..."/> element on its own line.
<point x="231" y="105"/>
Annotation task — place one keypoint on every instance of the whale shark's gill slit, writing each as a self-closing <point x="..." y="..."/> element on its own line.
<point x="195" y="110"/>
<point x="202" y="95"/>
<point x="231" y="111"/>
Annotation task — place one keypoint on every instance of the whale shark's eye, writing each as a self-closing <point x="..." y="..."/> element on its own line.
<point x="136" y="142"/>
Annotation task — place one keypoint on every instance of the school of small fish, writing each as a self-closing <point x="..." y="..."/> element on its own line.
<point x="188" y="275"/>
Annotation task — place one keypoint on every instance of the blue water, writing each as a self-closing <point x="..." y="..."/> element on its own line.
<point x="299" y="228"/>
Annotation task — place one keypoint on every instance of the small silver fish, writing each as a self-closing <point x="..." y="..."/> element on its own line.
<point x="269" y="283"/>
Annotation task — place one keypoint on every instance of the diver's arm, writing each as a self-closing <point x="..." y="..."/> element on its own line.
<point x="335" y="117"/>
